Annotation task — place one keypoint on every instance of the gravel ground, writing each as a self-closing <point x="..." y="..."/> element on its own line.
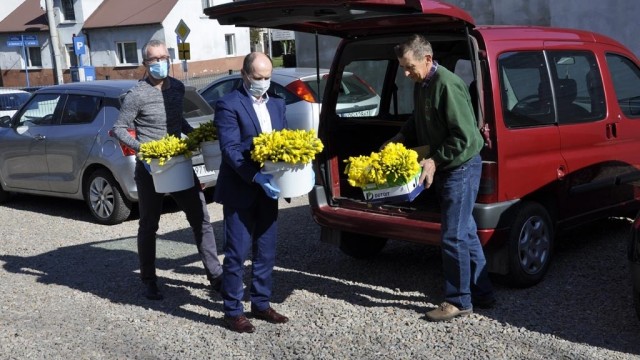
<point x="69" y="289"/>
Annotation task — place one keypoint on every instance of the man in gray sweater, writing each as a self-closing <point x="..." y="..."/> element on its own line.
<point x="153" y="109"/>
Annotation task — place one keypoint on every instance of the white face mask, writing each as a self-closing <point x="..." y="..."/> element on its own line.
<point x="257" y="88"/>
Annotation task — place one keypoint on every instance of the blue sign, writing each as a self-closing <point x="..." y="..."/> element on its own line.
<point x="30" y="40"/>
<point x="14" y="41"/>
<point x="79" y="45"/>
<point x="23" y="40"/>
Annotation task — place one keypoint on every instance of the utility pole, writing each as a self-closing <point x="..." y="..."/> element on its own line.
<point x="53" y="35"/>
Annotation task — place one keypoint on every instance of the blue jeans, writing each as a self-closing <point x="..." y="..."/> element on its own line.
<point x="463" y="260"/>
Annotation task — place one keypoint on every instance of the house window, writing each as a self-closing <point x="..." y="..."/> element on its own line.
<point x="230" y="43"/>
<point x="34" y="57"/>
<point x="127" y="53"/>
<point x="72" y="59"/>
<point x="67" y="10"/>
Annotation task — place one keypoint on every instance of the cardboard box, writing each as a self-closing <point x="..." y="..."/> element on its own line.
<point x="393" y="192"/>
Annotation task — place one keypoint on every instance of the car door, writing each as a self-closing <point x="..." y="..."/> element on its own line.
<point x="69" y="143"/>
<point x="23" y="162"/>
<point x="586" y="146"/>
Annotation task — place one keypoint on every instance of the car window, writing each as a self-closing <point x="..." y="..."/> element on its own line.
<point x="13" y="101"/>
<point x="41" y="110"/>
<point x="80" y="109"/>
<point x="626" y="81"/>
<point x="525" y="89"/>
<point x="360" y="84"/>
<point x="577" y="86"/>
<point x="214" y="92"/>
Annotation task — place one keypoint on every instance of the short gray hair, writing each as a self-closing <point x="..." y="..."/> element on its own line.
<point x="416" y="44"/>
<point x="151" y="43"/>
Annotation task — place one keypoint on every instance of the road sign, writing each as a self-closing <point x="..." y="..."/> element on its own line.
<point x="279" y="35"/>
<point x="15" y="41"/>
<point x="22" y="40"/>
<point x="184" y="51"/>
<point x="79" y="45"/>
<point x="30" y="40"/>
<point x="182" y="30"/>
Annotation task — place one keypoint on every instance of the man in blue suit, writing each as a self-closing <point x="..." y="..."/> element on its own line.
<point x="249" y="202"/>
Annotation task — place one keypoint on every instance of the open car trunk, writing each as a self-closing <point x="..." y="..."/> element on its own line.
<point x="370" y="30"/>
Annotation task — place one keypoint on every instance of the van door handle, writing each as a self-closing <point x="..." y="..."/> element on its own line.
<point x="39" y="137"/>
<point x="612" y="130"/>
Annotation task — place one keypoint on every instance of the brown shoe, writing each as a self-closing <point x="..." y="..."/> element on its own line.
<point x="446" y="312"/>
<point x="269" y="315"/>
<point x="239" y="324"/>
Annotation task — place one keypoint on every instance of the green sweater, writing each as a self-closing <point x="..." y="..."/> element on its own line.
<point x="443" y="119"/>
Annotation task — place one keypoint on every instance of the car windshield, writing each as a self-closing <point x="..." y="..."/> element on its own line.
<point x="352" y="89"/>
<point x="13" y="101"/>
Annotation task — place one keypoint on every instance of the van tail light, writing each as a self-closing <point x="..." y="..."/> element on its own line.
<point x="126" y="151"/>
<point x="302" y="90"/>
<point x="488" y="191"/>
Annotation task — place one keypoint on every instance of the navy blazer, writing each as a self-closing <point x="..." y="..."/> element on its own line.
<point x="237" y="125"/>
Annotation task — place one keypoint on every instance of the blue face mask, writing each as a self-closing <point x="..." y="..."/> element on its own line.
<point x="159" y="70"/>
<point x="257" y="88"/>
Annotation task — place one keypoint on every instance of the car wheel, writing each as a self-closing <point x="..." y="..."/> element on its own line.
<point x="361" y="246"/>
<point x="105" y="199"/>
<point x="530" y="245"/>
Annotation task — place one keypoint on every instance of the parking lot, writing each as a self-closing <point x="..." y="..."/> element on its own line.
<point x="69" y="289"/>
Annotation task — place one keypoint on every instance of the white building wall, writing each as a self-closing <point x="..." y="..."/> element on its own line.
<point x="207" y="37"/>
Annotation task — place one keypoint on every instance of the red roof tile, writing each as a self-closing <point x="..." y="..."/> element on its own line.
<point x="26" y="17"/>
<point x="115" y="13"/>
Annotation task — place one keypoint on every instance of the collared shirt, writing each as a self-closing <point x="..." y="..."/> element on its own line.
<point x="432" y="71"/>
<point x="260" y="107"/>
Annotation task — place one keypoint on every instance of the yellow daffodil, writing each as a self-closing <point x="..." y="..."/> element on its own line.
<point x="290" y="146"/>
<point x="205" y="132"/>
<point x="163" y="149"/>
<point x="393" y="164"/>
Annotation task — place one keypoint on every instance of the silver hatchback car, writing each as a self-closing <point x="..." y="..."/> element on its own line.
<point x="60" y="144"/>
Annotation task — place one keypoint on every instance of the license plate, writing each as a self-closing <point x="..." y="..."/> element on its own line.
<point x="202" y="171"/>
<point x="363" y="113"/>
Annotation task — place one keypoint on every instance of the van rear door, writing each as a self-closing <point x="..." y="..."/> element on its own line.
<point x="342" y="18"/>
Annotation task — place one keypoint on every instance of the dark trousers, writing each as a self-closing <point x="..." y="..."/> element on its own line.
<point x="253" y="228"/>
<point x="193" y="204"/>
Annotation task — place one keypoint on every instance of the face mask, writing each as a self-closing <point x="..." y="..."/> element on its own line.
<point x="257" y="88"/>
<point x="159" y="70"/>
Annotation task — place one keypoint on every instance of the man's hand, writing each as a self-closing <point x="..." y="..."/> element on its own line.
<point x="263" y="180"/>
<point x="428" y="169"/>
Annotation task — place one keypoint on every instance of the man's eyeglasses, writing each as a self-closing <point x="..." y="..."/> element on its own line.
<point x="156" y="60"/>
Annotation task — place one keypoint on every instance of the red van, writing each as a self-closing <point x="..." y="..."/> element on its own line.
<point x="559" y="109"/>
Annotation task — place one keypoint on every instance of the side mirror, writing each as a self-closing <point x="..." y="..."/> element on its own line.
<point x="5" y="121"/>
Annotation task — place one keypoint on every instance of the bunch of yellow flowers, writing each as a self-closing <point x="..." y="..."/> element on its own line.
<point x="205" y="132"/>
<point x="290" y="146"/>
<point x="393" y="164"/>
<point x="163" y="149"/>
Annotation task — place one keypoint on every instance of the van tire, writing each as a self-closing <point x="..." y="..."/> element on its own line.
<point x="111" y="207"/>
<point x="361" y="246"/>
<point x="530" y="245"/>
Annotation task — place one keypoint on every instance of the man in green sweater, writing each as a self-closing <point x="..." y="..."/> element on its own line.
<point x="443" y="119"/>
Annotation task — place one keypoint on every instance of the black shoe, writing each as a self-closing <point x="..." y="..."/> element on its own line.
<point x="216" y="283"/>
<point x="152" y="292"/>
<point x="484" y="303"/>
